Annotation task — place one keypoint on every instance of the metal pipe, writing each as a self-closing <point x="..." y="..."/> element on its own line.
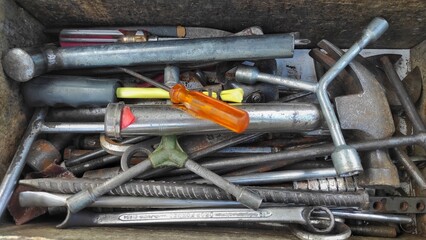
<point x="22" y="66"/>
<point x="299" y="155"/>
<point x="374" y="231"/>
<point x="402" y="94"/>
<point x="76" y="115"/>
<point x="64" y="127"/>
<point x="279" y="176"/>
<point x="410" y="168"/>
<point x="166" y="120"/>
<point x="14" y="171"/>
<point x="389" y="218"/>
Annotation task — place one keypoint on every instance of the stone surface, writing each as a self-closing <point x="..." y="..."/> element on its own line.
<point x="17" y="28"/>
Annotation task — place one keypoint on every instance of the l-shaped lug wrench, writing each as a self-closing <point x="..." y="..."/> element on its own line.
<point x="168" y="153"/>
<point x="345" y="158"/>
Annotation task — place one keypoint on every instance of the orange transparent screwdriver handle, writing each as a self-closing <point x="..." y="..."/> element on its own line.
<point x="201" y="106"/>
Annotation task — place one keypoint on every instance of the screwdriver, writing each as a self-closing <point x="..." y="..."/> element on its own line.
<point x="201" y="106"/>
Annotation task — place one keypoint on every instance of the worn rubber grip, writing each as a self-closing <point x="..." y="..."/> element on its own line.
<point x="69" y="91"/>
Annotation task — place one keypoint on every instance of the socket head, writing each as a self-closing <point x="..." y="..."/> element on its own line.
<point x="346" y="161"/>
<point x="376" y="28"/>
<point x="249" y="199"/>
<point x="246" y="74"/>
<point x="19" y="65"/>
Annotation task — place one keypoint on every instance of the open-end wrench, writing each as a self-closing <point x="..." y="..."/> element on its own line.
<point x="300" y="215"/>
<point x="345" y="158"/>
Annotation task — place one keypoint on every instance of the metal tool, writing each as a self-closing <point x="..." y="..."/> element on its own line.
<point x="397" y="204"/>
<point x="281" y="117"/>
<point x="166" y="120"/>
<point x="201" y="106"/>
<point x="298" y="155"/>
<point x="44" y="199"/>
<point x="345" y="158"/>
<point x="300" y="215"/>
<point x="95" y="36"/>
<point x="42" y="154"/>
<point x="169" y="153"/>
<point x="22" y="66"/>
<point x="196" y="146"/>
<point x="101" y="152"/>
<point x="339" y="184"/>
<point x="367" y="114"/>
<point x="13" y="173"/>
<point x="160" y="189"/>
<point x="278" y="176"/>
<point x="410" y="167"/>
<point x="374" y="231"/>
<point x="374" y="217"/>
<point x="341" y="231"/>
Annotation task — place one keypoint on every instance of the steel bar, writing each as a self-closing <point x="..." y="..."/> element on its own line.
<point x="23" y="66"/>
<point x="44" y="199"/>
<point x="75" y="127"/>
<point x="403" y="96"/>
<point x="388" y="218"/>
<point x="17" y="164"/>
<point x="359" y="199"/>
<point x="410" y="167"/>
<point x="76" y="115"/>
<point x="278" y="176"/>
<point x="299" y="155"/>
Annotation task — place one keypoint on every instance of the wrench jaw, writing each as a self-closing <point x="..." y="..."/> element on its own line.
<point x="346" y="161"/>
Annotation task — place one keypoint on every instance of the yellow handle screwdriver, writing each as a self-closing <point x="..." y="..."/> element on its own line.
<point x="230" y="95"/>
<point x="201" y="106"/>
